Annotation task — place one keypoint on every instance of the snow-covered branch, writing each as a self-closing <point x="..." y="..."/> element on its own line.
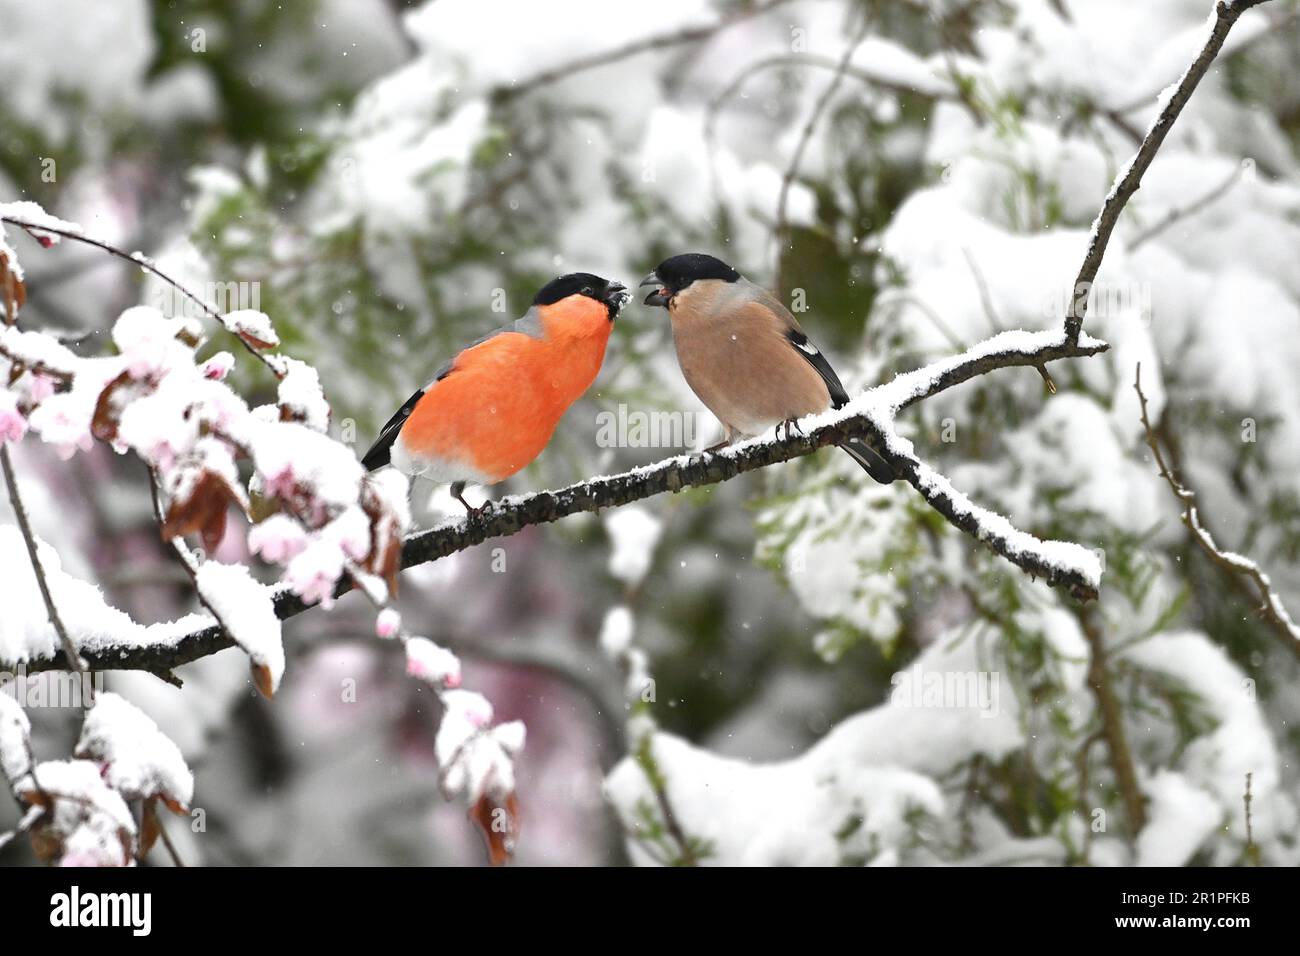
<point x="870" y="415"/>
<point x="1126" y="184"/>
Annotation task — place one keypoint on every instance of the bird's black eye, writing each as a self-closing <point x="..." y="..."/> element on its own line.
<point x="586" y="290"/>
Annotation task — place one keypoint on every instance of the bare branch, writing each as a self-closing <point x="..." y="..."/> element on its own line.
<point x="167" y="842"/>
<point x="792" y="170"/>
<point x="145" y="263"/>
<point x="1191" y="209"/>
<point x="1225" y="15"/>
<point x="1271" y="607"/>
<point x="1111" y="714"/>
<point x="658" y="42"/>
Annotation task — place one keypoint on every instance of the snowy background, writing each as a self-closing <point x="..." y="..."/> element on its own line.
<point x="794" y="667"/>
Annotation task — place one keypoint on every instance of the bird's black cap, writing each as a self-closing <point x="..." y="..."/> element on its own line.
<point x="677" y="272"/>
<point x="609" y="293"/>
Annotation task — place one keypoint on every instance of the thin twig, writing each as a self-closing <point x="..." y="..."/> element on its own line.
<point x="167" y="842"/>
<point x="1182" y="212"/>
<point x="147" y="265"/>
<point x="986" y="300"/>
<point x="1112" y="722"/>
<point x="657" y="42"/>
<point x="1225" y="15"/>
<point x="73" y="658"/>
<point x="1252" y="851"/>
<point x="188" y="562"/>
<point x="1271" y="607"/>
<point x="805" y="135"/>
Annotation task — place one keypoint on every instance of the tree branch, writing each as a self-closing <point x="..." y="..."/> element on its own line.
<point x="781" y="225"/>
<point x="1111" y="715"/>
<point x="869" y="416"/>
<point x="1182" y="212"/>
<point x="658" y="42"/>
<point x="1130" y="179"/>
<point x="144" y="262"/>
<point x="1271" y="607"/>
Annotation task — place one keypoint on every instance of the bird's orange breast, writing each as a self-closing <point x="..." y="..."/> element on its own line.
<point x="500" y="403"/>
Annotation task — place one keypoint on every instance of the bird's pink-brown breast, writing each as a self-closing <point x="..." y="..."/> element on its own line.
<point x="732" y="346"/>
<point x="499" y="405"/>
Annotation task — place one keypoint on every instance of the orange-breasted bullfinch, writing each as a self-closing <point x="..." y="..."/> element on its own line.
<point x="491" y="410"/>
<point x="744" y="355"/>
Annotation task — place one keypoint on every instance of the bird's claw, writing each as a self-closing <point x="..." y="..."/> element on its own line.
<point x="472" y="512"/>
<point x="791" y="426"/>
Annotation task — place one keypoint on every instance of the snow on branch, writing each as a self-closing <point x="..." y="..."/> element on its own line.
<point x="869" y="416"/>
<point x="1173" y="99"/>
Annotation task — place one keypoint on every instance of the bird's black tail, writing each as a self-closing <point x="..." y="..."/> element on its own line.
<point x="380" y="454"/>
<point x="871" y="461"/>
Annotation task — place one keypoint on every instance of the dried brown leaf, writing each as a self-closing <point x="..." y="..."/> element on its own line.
<point x="499" y="824"/>
<point x="202" y="510"/>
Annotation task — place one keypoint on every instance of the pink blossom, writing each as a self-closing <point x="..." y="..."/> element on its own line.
<point x="163" y="455"/>
<point x="83" y="442"/>
<point x="218" y="366"/>
<point x="351" y="531"/>
<point x="282" y="483"/>
<point x="437" y="665"/>
<point x="468" y="706"/>
<point x="277" y="539"/>
<point x="12" y="424"/>
<point x="61" y="423"/>
<point x="388" y="623"/>
<point x="41" y="387"/>
<point x="313" y="573"/>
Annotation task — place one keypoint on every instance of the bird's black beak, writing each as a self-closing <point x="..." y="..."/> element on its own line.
<point x="616" y="296"/>
<point x="660" y="295"/>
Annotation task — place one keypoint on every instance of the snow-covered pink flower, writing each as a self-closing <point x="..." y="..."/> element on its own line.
<point x="147" y="340"/>
<point x="218" y="366"/>
<point x="313" y="574"/>
<point x="277" y="539"/>
<point x="467" y="705"/>
<point x="351" y="532"/>
<point x="437" y="665"/>
<point x="388" y="623"/>
<point x="41" y="387"/>
<point x="64" y="422"/>
<point x="282" y="483"/>
<point x="13" y="426"/>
